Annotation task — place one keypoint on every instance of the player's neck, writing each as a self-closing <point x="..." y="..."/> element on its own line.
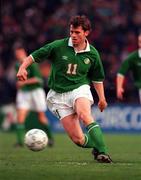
<point x="80" y="47"/>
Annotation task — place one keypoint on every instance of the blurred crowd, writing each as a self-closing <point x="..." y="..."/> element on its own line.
<point x="115" y="25"/>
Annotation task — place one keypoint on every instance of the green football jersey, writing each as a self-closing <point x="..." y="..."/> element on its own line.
<point x="33" y="71"/>
<point x="70" y="70"/>
<point x="132" y="63"/>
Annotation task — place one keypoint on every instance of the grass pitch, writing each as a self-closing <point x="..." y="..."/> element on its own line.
<point x="65" y="161"/>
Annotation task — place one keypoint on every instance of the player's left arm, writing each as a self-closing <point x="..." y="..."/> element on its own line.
<point x="102" y="104"/>
<point x="120" y="78"/>
<point x="97" y="76"/>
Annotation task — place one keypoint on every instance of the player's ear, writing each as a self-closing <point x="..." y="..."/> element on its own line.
<point x="87" y="33"/>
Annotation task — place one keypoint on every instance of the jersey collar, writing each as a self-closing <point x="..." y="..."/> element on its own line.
<point x="85" y="50"/>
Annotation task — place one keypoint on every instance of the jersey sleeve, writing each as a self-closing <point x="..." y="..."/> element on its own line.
<point x="35" y="72"/>
<point x="96" y="72"/>
<point x="43" y="53"/>
<point x="125" y="66"/>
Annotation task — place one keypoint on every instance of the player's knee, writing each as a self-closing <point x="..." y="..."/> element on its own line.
<point x="82" y="114"/>
<point x="85" y="117"/>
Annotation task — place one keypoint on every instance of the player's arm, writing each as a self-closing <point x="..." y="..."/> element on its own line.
<point x="22" y="72"/>
<point x="124" y="68"/>
<point x="97" y="76"/>
<point x="102" y="104"/>
<point x="37" y="56"/>
<point x="119" y="86"/>
<point x="32" y="80"/>
<point x="126" y="65"/>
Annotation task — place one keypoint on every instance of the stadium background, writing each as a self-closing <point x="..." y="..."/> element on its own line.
<point x="115" y="25"/>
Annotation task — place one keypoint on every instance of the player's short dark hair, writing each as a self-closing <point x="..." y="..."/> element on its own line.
<point x="81" y="20"/>
<point x="18" y="45"/>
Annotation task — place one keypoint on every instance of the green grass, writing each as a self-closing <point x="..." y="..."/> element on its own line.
<point x="65" y="161"/>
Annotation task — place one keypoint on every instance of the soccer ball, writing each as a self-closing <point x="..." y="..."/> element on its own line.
<point x="36" y="139"/>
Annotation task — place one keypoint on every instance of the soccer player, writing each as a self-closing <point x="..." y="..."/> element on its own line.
<point x="75" y="64"/>
<point x="131" y="63"/>
<point x="30" y="96"/>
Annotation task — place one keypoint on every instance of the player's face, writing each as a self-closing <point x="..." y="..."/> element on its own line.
<point x="78" y="35"/>
<point x="139" y="41"/>
<point x="20" y="54"/>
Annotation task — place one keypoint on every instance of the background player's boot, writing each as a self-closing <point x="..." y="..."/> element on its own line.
<point x="50" y="142"/>
<point x="18" y="145"/>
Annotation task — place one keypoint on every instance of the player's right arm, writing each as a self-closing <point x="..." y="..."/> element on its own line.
<point x="22" y="72"/>
<point x="119" y="87"/>
<point x="124" y="68"/>
<point x="126" y="65"/>
<point x="37" y="56"/>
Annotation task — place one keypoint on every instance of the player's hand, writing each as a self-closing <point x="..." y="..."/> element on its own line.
<point x="22" y="74"/>
<point x="102" y="104"/>
<point x="120" y="92"/>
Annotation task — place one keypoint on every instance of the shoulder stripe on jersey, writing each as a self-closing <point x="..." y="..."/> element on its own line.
<point x="32" y="58"/>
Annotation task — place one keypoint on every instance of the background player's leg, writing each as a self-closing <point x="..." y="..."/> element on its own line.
<point x="44" y="121"/>
<point x="20" y="126"/>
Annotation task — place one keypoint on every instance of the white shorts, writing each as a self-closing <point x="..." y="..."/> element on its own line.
<point x="62" y="104"/>
<point x="32" y="100"/>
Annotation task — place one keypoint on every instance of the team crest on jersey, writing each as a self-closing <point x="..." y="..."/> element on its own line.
<point x="86" y="61"/>
<point x="65" y="57"/>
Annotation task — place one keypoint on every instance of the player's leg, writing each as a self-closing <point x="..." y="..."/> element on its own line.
<point x="23" y="106"/>
<point x="20" y="126"/>
<point x="72" y="127"/>
<point x="44" y="121"/>
<point x="83" y="109"/>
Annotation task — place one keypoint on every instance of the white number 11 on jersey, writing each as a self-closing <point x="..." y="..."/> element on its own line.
<point x="72" y="68"/>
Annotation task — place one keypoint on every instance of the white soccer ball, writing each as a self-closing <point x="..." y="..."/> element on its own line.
<point x="36" y="139"/>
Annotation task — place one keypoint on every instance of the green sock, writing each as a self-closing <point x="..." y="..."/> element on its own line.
<point x="88" y="142"/>
<point x="47" y="129"/>
<point x="20" y="132"/>
<point x="96" y="135"/>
